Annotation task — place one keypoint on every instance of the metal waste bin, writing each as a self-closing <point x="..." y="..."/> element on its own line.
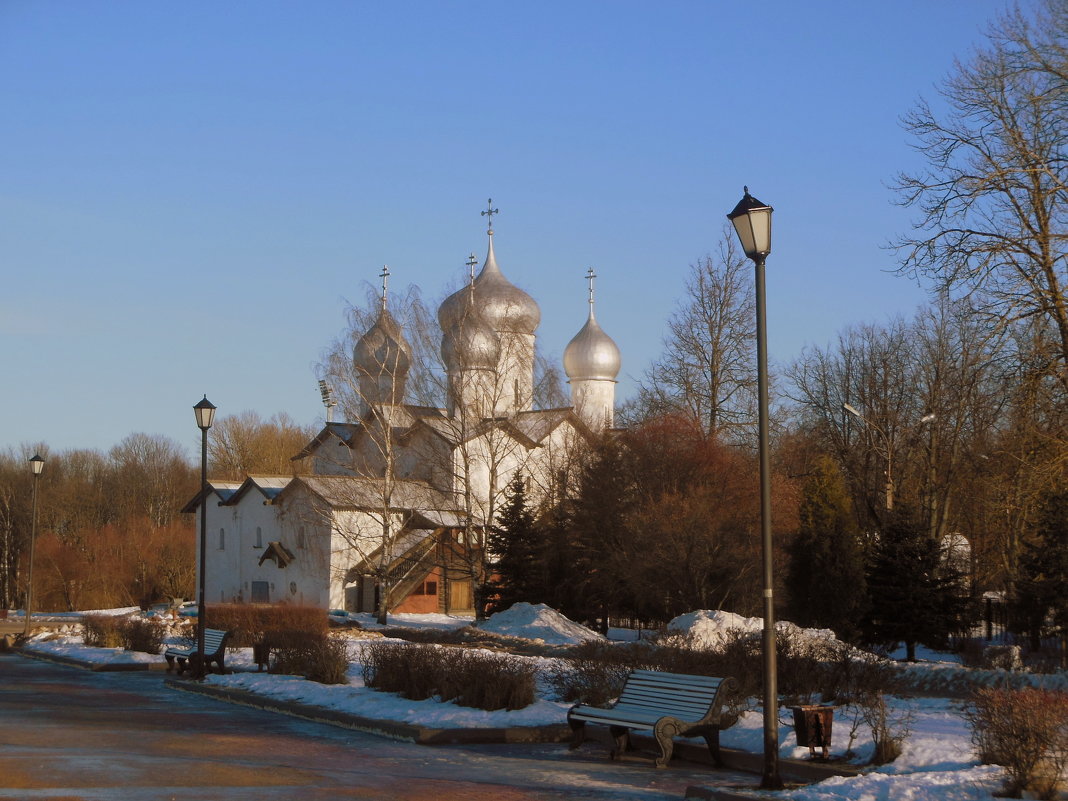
<point x="812" y="725"/>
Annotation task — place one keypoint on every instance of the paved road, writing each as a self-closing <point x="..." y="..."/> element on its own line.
<point x="68" y="733"/>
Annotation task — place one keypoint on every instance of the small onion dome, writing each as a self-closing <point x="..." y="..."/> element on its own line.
<point x="383" y="350"/>
<point x="470" y="344"/>
<point x="591" y="354"/>
<point x="503" y="305"/>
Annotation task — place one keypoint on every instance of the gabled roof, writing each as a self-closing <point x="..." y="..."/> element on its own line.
<point x="268" y="486"/>
<point x="224" y="490"/>
<point x="344" y="432"/>
<point x="277" y="553"/>
<point x="351" y="492"/>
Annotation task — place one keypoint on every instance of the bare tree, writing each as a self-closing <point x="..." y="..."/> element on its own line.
<point x="708" y="368"/>
<point x="243" y="444"/>
<point x="993" y="200"/>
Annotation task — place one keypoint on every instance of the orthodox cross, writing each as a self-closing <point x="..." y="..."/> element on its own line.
<point x="590" y="275"/>
<point x="471" y="262"/>
<point x="384" y="275"/>
<point x="489" y="212"/>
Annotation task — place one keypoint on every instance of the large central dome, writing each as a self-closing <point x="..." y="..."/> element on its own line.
<point x="505" y="307"/>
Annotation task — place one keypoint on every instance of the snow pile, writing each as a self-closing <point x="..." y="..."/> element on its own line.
<point x="712" y="628"/>
<point x="538" y="622"/>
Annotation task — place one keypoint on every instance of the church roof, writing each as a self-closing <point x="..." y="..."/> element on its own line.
<point x="352" y="492"/>
<point x="224" y="490"/>
<point x="268" y="486"/>
<point x="344" y="432"/>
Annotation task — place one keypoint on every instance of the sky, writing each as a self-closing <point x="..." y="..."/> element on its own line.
<point x="192" y="194"/>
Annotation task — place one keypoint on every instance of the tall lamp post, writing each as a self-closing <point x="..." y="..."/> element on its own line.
<point x="205" y="414"/>
<point x="36" y="465"/>
<point x="888" y="444"/>
<point x="752" y="223"/>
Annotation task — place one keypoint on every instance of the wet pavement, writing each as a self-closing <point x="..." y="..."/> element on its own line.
<point x="68" y="733"/>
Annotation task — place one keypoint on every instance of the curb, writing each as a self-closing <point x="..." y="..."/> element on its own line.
<point x="387" y="728"/>
<point x="96" y="667"/>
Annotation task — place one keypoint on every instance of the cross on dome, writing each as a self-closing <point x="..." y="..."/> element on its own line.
<point x="489" y="212"/>
<point x="590" y="275"/>
<point x="384" y="275"/>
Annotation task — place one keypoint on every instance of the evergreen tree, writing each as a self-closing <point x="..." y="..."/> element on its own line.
<point x="913" y="599"/>
<point x="516" y="545"/>
<point x="825" y="579"/>
<point x="1042" y="586"/>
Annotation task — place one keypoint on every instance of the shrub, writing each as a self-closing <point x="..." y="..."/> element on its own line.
<point x="102" y="631"/>
<point x="888" y="730"/>
<point x="247" y="623"/>
<point x="470" y="678"/>
<point x="1026" y="731"/>
<point x="143" y="635"/>
<point x="319" y="657"/>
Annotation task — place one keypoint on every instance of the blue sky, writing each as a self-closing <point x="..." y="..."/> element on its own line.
<point x="191" y="193"/>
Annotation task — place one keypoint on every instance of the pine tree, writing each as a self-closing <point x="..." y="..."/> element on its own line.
<point x="516" y="545"/>
<point x="1042" y="585"/>
<point x="825" y="579"/>
<point x="913" y="600"/>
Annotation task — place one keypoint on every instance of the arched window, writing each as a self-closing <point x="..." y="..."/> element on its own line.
<point x="259" y="537"/>
<point x="222" y="539"/>
<point x="302" y="542"/>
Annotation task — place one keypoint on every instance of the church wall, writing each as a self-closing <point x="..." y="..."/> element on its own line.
<point x="594" y="401"/>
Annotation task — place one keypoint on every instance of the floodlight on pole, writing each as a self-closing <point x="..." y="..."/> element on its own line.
<point x="752" y="222"/>
<point x="888" y="445"/>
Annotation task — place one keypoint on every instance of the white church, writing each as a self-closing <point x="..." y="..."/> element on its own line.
<point x="397" y="500"/>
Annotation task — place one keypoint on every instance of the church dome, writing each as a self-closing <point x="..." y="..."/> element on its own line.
<point x="503" y="305"/>
<point x="470" y="343"/>
<point x="383" y="350"/>
<point x="591" y="353"/>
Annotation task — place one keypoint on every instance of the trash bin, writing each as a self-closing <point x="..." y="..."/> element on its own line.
<point x="812" y="725"/>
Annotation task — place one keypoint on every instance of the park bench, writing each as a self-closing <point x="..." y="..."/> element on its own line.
<point x="214" y="651"/>
<point x="667" y="704"/>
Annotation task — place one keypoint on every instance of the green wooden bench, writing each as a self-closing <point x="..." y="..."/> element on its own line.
<point x="667" y="704"/>
<point x="214" y="651"/>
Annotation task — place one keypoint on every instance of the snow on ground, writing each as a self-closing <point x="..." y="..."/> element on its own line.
<point x="540" y="623"/>
<point x="938" y="762"/>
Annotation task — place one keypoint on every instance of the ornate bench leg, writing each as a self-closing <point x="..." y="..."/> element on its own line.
<point x="183" y="665"/>
<point x="578" y="733"/>
<point x="620" y="739"/>
<point x="712" y="739"/>
<point x="665" y="731"/>
<point x="170" y="662"/>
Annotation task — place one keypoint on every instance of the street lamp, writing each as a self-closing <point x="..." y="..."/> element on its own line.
<point x="36" y="465"/>
<point x="752" y="223"/>
<point x="888" y="445"/>
<point x="205" y="414"/>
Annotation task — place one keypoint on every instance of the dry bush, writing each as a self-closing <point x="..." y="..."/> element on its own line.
<point x="142" y="635"/>
<point x="1026" y="731"/>
<point x="247" y="623"/>
<point x="102" y="631"/>
<point x="479" y="680"/>
<point x="889" y="730"/>
<point x="594" y="672"/>
<point x="316" y="656"/>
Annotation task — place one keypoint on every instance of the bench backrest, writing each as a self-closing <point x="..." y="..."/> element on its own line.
<point x="677" y="694"/>
<point x="213" y="640"/>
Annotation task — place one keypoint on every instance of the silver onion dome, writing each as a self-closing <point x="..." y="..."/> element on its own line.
<point x="383" y="350"/>
<point x="470" y="343"/>
<point x="503" y="305"/>
<point x="591" y="353"/>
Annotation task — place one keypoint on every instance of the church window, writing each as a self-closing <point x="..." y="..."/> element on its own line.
<point x="515" y="392"/>
<point x="302" y="542"/>
<point x="222" y="539"/>
<point x="259" y="537"/>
